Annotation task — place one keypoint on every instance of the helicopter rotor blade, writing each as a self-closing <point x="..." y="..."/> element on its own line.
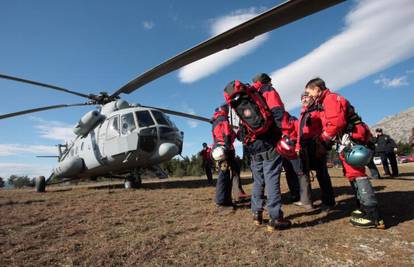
<point x="27" y="111"/>
<point x="181" y="114"/>
<point x="45" y="85"/>
<point x="276" y="17"/>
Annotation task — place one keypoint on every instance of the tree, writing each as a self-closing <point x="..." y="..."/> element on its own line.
<point x="404" y="149"/>
<point x="1" y="182"/>
<point x="20" y="181"/>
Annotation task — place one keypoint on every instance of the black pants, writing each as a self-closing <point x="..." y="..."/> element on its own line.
<point x="292" y="180"/>
<point x="385" y="156"/>
<point x="311" y="162"/>
<point x="207" y="168"/>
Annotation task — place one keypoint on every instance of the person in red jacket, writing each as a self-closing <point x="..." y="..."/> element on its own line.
<point x="229" y="169"/>
<point x="207" y="163"/>
<point x="298" y="181"/>
<point x="310" y="127"/>
<point x="266" y="163"/>
<point x="338" y="118"/>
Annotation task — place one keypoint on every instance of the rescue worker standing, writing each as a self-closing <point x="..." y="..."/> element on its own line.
<point x="339" y="120"/>
<point x="310" y="127"/>
<point x="298" y="181"/>
<point x="385" y="146"/>
<point x="260" y="110"/>
<point x="207" y="163"/>
<point x="228" y="168"/>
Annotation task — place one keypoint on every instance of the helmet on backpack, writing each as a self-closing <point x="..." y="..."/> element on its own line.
<point x="358" y="156"/>
<point x="286" y="148"/>
<point x="218" y="153"/>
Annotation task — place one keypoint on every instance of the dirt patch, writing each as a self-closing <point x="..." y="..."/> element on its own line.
<point x="174" y="222"/>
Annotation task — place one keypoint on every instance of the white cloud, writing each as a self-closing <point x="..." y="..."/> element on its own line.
<point x="148" y="25"/>
<point x="377" y="35"/>
<point x="31" y="170"/>
<point x="211" y="64"/>
<point x="14" y="149"/>
<point x="54" y="130"/>
<point x="191" y="123"/>
<point x="394" y="82"/>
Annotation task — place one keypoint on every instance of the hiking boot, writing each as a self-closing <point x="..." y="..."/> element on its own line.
<point x="258" y="218"/>
<point x="306" y="206"/>
<point x="363" y="222"/>
<point x="357" y="213"/>
<point x="279" y="224"/>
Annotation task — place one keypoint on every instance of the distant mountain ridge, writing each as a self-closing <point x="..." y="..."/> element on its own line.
<point x="397" y="126"/>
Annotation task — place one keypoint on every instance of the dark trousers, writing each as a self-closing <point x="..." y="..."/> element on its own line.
<point x="266" y="168"/>
<point x="385" y="156"/>
<point x="311" y="162"/>
<point x="223" y="185"/>
<point x="373" y="169"/>
<point x="207" y="168"/>
<point x="292" y="179"/>
<point x="237" y="188"/>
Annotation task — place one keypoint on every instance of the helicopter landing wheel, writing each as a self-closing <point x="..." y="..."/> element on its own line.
<point x="40" y="184"/>
<point x="133" y="182"/>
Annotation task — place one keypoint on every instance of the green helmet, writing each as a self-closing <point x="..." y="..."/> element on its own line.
<point x="358" y="156"/>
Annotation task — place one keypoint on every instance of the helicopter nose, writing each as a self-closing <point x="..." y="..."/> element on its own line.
<point x="166" y="151"/>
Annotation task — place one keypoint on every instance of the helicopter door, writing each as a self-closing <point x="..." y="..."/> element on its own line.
<point x="129" y="138"/>
<point x="148" y="137"/>
<point x="111" y="143"/>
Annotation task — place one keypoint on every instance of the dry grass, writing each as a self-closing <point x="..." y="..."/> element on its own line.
<point x="174" y="222"/>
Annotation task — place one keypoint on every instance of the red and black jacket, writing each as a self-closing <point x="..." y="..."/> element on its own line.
<point x="221" y="130"/>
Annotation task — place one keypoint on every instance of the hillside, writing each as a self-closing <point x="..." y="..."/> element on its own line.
<point x="174" y="222"/>
<point x="397" y="126"/>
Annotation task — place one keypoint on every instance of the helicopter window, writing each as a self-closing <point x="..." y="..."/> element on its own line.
<point x="127" y="123"/>
<point x="148" y="139"/>
<point x="82" y="146"/>
<point x="160" y="118"/>
<point x="113" y="128"/>
<point x="144" y="118"/>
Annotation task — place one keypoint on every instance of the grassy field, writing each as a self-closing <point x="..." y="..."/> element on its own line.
<point x="174" y="222"/>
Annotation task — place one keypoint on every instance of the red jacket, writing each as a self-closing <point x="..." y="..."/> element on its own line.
<point x="205" y="154"/>
<point x="310" y="124"/>
<point x="335" y="115"/>
<point x="273" y="101"/>
<point x="221" y="130"/>
<point x="290" y="126"/>
<point x="332" y="115"/>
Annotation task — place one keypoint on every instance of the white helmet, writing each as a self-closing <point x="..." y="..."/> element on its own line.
<point x="218" y="153"/>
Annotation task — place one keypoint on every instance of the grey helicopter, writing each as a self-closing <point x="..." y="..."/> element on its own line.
<point x="120" y="139"/>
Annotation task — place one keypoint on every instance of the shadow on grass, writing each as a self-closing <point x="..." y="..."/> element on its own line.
<point x="401" y="177"/>
<point x="395" y="207"/>
<point x="26" y="202"/>
<point x="191" y="184"/>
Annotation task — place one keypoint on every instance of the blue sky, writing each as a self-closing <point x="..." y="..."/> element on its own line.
<point x="363" y="49"/>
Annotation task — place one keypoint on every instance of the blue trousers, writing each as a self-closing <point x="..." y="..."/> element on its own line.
<point x="266" y="168"/>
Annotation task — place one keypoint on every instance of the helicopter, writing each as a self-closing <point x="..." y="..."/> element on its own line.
<point x="120" y="139"/>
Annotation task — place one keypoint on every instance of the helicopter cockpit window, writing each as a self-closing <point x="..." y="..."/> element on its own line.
<point x="144" y="118"/>
<point x="160" y="118"/>
<point x="127" y="123"/>
<point x="113" y="128"/>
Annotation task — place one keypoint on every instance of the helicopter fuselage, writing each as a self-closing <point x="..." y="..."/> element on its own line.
<point x="120" y="142"/>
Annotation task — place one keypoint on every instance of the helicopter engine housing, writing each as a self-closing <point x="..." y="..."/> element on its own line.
<point x="110" y="107"/>
<point x="87" y="122"/>
<point x="68" y="168"/>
